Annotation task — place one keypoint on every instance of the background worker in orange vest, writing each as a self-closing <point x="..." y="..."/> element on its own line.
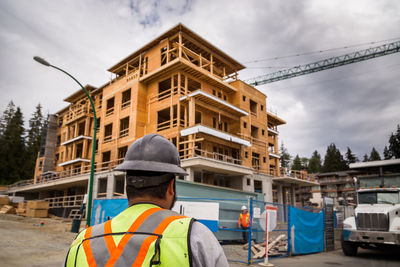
<point x="244" y="220"/>
<point x="148" y="233"/>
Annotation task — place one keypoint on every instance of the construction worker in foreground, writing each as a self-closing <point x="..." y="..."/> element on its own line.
<point x="148" y="233"/>
<point x="244" y="219"/>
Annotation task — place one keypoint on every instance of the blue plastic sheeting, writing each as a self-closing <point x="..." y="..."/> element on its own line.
<point x="106" y="209"/>
<point x="306" y="231"/>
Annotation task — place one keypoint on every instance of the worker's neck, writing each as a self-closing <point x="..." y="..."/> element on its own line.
<point x="163" y="203"/>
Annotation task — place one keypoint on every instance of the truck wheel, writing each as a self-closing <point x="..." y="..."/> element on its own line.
<point x="349" y="248"/>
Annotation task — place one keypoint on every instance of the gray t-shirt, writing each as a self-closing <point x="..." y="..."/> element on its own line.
<point x="206" y="250"/>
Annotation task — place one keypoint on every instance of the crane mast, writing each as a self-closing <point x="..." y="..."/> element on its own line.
<point x="333" y="62"/>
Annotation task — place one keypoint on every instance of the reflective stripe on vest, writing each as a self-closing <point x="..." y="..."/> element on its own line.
<point x="101" y="250"/>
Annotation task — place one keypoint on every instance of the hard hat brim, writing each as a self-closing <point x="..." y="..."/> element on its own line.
<point x="151" y="166"/>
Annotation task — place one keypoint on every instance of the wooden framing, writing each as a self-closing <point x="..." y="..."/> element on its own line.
<point x="147" y="107"/>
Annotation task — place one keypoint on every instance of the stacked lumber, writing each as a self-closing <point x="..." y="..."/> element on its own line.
<point x="276" y="247"/>
<point x="37" y="209"/>
<point x="21" y="209"/>
<point x="7" y="209"/>
<point x="4" y="200"/>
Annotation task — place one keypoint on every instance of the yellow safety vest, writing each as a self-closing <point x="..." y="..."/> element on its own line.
<point x="141" y="235"/>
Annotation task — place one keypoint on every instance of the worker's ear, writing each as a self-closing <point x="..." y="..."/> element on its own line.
<point x="171" y="189"/>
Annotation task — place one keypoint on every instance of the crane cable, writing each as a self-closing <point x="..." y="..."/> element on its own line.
<point x="316" y="52"/>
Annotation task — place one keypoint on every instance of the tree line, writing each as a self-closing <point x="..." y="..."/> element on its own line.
<point x="19" y="146"/>
<point x="334" y="160"/>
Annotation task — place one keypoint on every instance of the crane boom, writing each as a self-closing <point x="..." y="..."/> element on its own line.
<point x="333" y="62"/>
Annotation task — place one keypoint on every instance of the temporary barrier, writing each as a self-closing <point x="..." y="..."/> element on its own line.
<point x="298" y="231"/>
<point x="306" y="231"/>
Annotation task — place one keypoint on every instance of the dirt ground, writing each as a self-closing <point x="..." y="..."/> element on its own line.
<point x="24" y="242"/>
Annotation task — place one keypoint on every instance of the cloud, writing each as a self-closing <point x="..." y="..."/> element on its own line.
<point x="355" y="105"/>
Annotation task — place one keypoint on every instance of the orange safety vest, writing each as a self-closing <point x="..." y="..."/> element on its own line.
<point x="244" y="219"/>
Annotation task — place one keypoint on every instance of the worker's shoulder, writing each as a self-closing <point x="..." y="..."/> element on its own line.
<point x="200" y="231"/>
<point x="80" y="237"/>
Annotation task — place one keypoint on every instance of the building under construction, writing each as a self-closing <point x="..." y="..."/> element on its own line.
<point x="184" y="88"/>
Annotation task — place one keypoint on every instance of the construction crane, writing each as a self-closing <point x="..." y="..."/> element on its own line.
<point x="333" y="62"/>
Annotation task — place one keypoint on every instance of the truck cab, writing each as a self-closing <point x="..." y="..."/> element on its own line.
<point x="376" y="222"/>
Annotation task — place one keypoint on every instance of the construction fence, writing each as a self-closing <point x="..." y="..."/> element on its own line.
<point x="297" y="231"/>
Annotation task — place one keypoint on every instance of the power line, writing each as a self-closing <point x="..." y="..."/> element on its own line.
<point x="319" y="51"/>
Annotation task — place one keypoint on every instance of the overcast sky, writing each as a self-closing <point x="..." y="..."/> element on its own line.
<point x="357" y="105"/>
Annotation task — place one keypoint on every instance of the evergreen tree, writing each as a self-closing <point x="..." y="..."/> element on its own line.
<point x="12" y="155"/>
<point x="6" y="117"/>
<point x="304" y="163"/>
<point x="333" y="160"/>
<point x="350" y="157"/>
<point x="33" y="141"/>
<point x="374" y="155"/>
<point x="365" y="159"/>
<point x="314" y="164"/>
<point x="285" y="156"/>
<point x="387" y="154"/>
<point x="296" y="163"/>
<point x="394" y="143"/>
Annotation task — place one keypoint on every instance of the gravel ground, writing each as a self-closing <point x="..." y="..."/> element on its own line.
<point x="24" y="242"/>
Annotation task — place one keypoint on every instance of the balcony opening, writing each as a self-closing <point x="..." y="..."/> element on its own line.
<point x="121" y="153"/>
<point x="254" y="131"/>
<point x="245" y="125"/>
<point x="124" y="127"/>
<point x="81" y="128"/>
<point x="225" y="126"/>
<point x="163" y="119"/>
<point x="214" y="122"/>
<point x="100" y="100"/>
<point x="255" y="160"/>
<point x="175" y="84"/>
<point x="107" y="133"/>
<point x="253" y="108"/>
<point x="58" y="140"/>
<point x="119" y="186"/>
<point x="164" y="55"/>
<point x="102" y="187"/>
<point x="60" y="121"/>
<point x="198" y="117"/>
<point x="257" y="186"/>
<point x="106" y="157"/>
<point x="164" y="89"/>
<point x="197" y="177"/>
<point x="98" y="124"/>
<point x="126" y="98"/>
<point x="110" y="106"/>
<point x="79" y="150"/>
<point x="193" y="85"/>
<point x="97" y="146"/>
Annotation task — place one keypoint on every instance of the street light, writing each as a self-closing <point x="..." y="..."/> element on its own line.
<point x="89" y="204"/>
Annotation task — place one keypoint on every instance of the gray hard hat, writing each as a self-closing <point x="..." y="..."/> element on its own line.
<point x="152" y="153"/>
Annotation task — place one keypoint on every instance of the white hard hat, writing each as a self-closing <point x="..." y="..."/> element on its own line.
<point x="244" y="208"/>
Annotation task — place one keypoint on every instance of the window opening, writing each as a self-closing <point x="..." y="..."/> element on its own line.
<point x="126" y="98"/>
<point x="124" y="127"/>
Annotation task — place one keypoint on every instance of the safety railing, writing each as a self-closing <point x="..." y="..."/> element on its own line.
<point x="67" y="174"/>
<point x="195" y="152"/>
<point x="74" y="201"/>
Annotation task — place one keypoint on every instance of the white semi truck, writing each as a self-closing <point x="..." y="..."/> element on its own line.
<point x="376" y="220"/>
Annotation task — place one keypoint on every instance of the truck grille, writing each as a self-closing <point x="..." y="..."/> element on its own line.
<point x="372" y="221"/>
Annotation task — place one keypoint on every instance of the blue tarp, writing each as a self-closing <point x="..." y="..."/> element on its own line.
<point x="306" y="231"/>
<point x="106" y="209"/>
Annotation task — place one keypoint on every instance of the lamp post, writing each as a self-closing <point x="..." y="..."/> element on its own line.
<point x="89" y="204"/>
